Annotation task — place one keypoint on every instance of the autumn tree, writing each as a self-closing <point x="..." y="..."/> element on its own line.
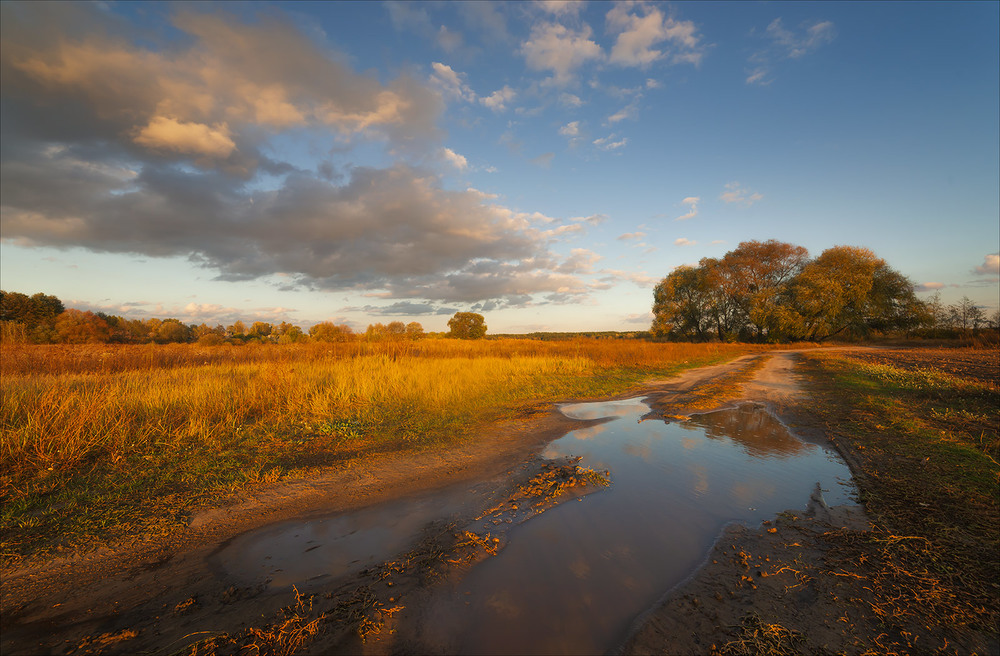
<point x="172" y="330"/>
<point x="848" y="289"/>
<point x="326" y="331"/>
<point x="37" y="313"/>
<point x="467" y="325"/>
<point x="682" y="303"/>
<point x="414" y="330"/>
<point x="78" y="327"/>
<point x="770" y="291"/>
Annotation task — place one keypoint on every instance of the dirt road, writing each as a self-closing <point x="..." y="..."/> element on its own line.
<point x="161" y="596"/>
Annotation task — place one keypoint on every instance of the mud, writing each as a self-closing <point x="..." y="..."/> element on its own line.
<point x="215" y="582"/>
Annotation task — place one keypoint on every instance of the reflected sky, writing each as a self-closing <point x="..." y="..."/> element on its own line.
<point x="573" y="579"/>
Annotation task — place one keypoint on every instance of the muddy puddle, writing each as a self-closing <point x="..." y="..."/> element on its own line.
<point x="574" y="578"/>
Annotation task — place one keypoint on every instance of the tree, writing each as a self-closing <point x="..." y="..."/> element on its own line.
<point x="172" y="330"/>
<point x="848" y="289"/>
<point x="260" y="329"/>
<point x="76" y="327"/>
<point x="757" y="276"/>
<point x="467" y="325"/>
<point x="681" y="304"/>
<point x="37" y="313"/>
<point x="326" y="331"/>
<point x="414" y="330"/>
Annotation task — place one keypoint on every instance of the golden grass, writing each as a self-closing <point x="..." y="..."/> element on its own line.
<point x="97" y="439"/>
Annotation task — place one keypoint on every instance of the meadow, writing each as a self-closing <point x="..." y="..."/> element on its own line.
<point x="101" y="441"/>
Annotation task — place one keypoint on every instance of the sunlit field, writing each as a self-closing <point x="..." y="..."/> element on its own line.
<point x="101" y="440"/>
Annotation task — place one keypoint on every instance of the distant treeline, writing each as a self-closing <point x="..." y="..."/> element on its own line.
<point x="43" y="319"/>
<point x="774" y="292"/>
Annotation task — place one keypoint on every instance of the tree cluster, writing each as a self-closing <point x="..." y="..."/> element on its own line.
<point x="42" y="319"/>
<point x="773" y="291"/>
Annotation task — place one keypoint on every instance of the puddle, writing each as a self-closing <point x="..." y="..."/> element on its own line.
<point x="297" y="552"/>
<point x="573" y="579"/>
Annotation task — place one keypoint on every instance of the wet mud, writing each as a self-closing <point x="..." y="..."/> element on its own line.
<point x="544" y="558"/>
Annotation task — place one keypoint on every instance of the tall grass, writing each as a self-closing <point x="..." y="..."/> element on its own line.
<point x="99" y="439"/>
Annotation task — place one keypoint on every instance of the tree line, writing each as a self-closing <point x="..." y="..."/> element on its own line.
<point x="774" y="291"/>
<point x="43" y="319"/>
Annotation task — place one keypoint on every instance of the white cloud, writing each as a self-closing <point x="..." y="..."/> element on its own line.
<point x="692" y="203"/>
<point x="615" y="275"/>
<point x="990" y="266"/>
<point x="735" y="193"/>
<point x="684" y="241"/>
<point x="653" y="84"/>
<point x="581" y="260"/>
<point x="571" y="129"/>
<point x="557" y="48"/>
<point x="631" y="236"/>
<point x="640" y="35"/>
<point x="561" y="7"/>
<point x="497" y="101"/>
<point x="928" y="286"/>
<point x="607" y="143"/>
<point x="759" y="76"/>
<point x="807" y="40"/>
<point x="630" y="111"/>
<point x="453" y="158"/>
<point x="787" y="44"/>
<point x="570" y="100"/>
<point x="451" y="82"/>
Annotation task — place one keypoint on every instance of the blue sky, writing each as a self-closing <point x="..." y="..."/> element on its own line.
<point x="542" y="163"/>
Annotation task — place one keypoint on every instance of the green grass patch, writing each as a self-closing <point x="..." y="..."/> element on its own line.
<point x="927" y="445"/>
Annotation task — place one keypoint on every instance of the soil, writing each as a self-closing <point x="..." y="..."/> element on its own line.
<point x="164" y="595"/>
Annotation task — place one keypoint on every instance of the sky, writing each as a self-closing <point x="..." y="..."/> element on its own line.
<point x="543" y="164"/>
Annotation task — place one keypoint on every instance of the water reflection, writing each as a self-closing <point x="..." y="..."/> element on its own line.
<point x="573" y="579"/>
<point x="756" y="431"/>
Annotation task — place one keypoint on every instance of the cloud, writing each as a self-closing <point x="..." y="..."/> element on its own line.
<point x="928" y="286"/>
<point x="544" y="160"/>
<point x="593" y="219"/>
<point x="209" y="101"/>
<point x="808" y="39"/>
<point x="403" y="308"/>
<point x="787" y="44"/>
<point x="557" y="48"/>
<point x="561" y="7"/>
<point x="497" y="101"/>
<point x="692" y="203"/>
<point x="607" y="143"/>
<point x="571" y="129"/>
<point x="735" y="193"/>
<point x="164" y="133"/>
<point x="640" y="35"/>
<point x="684" y="241"/>
<point x="989" y="267"/>
<point x="612" y="276"/>
<point x="409" y="17"/>
<point x="158" y="150"/>
<point x="581" y="260"/>
<point x="453" y="158"/>
<point x="631" y="236"/>
<point x="630" y="111"/>
<point x="569" y="100"/>
<point x="451" y="83"/>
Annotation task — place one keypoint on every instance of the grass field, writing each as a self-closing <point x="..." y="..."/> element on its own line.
<point x="100" y="441"/>
<point x="924" y="429"/>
